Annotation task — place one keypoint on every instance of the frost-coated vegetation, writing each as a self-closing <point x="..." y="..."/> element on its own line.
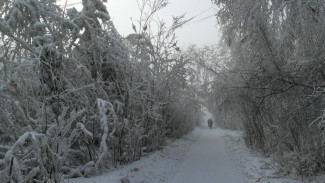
<point x="77" y="98"/>
<point x="273" y="78"/>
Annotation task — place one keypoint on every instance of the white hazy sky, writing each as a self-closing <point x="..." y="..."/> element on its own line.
<point x="198" y="31"/>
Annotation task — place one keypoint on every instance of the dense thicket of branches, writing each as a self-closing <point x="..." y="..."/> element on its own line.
<point x="212" y="65"/>
<point x="76" y="97"/>
<point x="275" y="78"/>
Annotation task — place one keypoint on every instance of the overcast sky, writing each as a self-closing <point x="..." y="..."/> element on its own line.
<point x="198" y="31"/>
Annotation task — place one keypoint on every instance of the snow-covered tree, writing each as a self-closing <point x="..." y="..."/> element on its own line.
<point x="76" y="97"/>
<point x="278" y="71"/>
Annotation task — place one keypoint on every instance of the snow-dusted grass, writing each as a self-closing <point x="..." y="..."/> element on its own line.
<point x="256" y="167"/>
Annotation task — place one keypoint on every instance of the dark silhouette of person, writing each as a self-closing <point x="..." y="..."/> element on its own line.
<point x="210" y="123"/>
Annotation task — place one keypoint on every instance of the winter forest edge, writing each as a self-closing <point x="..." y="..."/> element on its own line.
<point x="77" y="98"/>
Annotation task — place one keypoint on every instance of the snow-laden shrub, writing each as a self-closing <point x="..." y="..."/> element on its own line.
<point x="76" y="98"/>
<point x="36" y="156"/>
<point x="276" y="76"/>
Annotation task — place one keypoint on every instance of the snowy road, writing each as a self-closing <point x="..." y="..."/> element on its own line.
<point x="198" y="157"/>
<point x="203" y="156"/>
<point x="207" y="161"/>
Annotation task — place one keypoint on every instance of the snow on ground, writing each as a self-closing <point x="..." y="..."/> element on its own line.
<point x="198" y="157"/>
<point x="203" y="156"/>
<point x="157" y="167"/>
<point x="255" y="167"/>
<point x="207" y="161"/>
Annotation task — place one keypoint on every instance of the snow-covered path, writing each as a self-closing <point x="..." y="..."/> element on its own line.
<point x="207" y="161"/>
<point x="203" y="156"/>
